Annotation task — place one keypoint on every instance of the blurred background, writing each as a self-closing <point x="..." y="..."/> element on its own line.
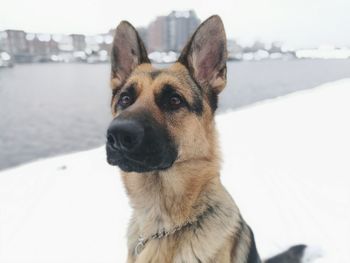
<point x="55" y="55"/>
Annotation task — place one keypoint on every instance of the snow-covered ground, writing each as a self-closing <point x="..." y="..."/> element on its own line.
<point x="286" y="162"/>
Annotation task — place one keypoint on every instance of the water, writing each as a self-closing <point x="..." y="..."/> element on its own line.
<point x="50" y="109"/>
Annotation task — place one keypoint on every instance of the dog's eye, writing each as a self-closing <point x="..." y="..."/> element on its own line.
<point x="175" y="101"/>
<point x="125" y="100"/>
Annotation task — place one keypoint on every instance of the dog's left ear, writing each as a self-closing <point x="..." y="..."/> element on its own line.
<point x="128" y="51"/>
<point x="205" y="55"/>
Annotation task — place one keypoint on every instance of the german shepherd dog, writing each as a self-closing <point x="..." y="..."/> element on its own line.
<point x="163" y="138"/>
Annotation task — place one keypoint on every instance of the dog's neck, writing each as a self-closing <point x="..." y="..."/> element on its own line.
<point x="165" y="199"/>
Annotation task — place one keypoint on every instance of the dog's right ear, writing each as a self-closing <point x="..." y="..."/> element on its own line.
<point x="128" y="51"/>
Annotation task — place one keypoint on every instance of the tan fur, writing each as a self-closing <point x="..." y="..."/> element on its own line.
<point x="165" y="199"/>
<point x="190" y="190"/>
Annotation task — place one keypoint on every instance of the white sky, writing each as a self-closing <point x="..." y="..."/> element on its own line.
<point x="298" y="23"/>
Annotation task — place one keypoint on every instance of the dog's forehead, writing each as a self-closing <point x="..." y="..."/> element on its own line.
<point x="148" y="75"/>
<point x="153" y="72"/>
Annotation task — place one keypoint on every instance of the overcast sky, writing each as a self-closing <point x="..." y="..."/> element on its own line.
<point x="298" y="23"/>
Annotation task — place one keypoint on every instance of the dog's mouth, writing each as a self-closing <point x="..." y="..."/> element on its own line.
<point x="138" y="143"/>
<point x="140" y="163"/>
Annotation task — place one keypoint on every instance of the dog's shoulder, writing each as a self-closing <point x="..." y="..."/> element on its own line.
<point x="244" y="248"/>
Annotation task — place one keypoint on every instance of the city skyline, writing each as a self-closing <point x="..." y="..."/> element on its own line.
<point x="164" y="38"/>
<point x="165" y="34"/>
<point x="297" y="23"/>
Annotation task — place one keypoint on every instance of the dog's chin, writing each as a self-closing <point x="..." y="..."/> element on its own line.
<point x="128" y="165"/>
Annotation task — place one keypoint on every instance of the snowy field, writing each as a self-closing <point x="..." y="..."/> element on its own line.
<point x="286" y="162"/>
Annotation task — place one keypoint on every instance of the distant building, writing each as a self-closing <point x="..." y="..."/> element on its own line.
<point x="164" y="38"/>
<point x="3" y="41"/>
<point x="181" y="25"/>
<point x="65" y="44"/>
<point x="170" y="33"/>
<point x="143" y="34"/>
<point x="257" y="45"/>
<point x="276" y="47"/>
<point x="14" y="42"/>
<point x="41" y="46"/>
<point x="78" y="42"/>
<point x="234" y="50"/>
<point x="106" y="42"/>
<point x="157" y="37"/>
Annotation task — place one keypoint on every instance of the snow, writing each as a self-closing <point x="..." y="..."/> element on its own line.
<point x="324" y="52"/>
<point x="285" y="162"/>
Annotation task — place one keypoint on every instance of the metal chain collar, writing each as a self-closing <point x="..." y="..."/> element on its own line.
<point x="159" y="235"/>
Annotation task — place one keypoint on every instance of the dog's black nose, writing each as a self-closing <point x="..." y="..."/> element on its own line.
<point x="125" y="135"/>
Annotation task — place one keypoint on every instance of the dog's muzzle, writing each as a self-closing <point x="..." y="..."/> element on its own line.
<point x="125" y="135"/>
<point x="139" y="145"/>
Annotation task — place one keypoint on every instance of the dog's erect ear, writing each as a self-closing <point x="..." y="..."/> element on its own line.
<point x="205" y="55"/>
<point x="128" y="51"/>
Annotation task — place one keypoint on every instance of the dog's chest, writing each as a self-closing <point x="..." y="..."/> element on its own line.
<point x="188" y="246"/>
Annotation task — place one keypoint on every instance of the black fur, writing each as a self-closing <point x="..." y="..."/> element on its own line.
<point x="213" y="100"/>
<point x="157" y="150"/>
<point x="253" y="256"/>
<point x="155" y="73"/>
<point x="292" y="255"/>
<point x="162" y="100"/>
<point x="129" y="91"/>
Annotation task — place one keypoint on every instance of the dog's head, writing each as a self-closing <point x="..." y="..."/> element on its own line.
<point x="165" y="116"/>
